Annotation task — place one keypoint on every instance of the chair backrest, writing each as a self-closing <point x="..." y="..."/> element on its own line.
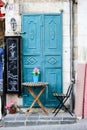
<point x="70" y="88"/>
<point x="69" y="91"/>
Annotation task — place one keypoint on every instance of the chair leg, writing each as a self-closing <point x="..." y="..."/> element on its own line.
<point x="58" y="105"/>
<point x="68" y="110"/>
<point x="62" y="104"/>
<point x="56" y="108"/>
<point x="65" y="108"/>
<point x="59" y="108"/>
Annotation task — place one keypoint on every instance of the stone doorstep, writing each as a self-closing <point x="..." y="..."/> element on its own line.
<point x="23" y="117"/>
<point x="37" y="117"/>
<point x="15" y="120"/>
<point x="37" y="122"/>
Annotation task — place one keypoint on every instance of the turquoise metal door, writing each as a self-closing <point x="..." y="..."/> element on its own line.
<point x="42" y="48"/>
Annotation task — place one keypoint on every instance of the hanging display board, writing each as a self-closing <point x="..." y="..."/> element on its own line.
<point x="12" y="64"/>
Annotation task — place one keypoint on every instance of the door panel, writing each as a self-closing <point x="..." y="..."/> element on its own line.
<point x="52" y="34"/>
<point x="52" y="61"/>
<point x="53" y="76"/>
<point x="32" y="27"/>
<point x="42" y="48"/>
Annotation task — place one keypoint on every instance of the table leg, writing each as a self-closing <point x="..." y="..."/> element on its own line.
<point x="37" y="100"/>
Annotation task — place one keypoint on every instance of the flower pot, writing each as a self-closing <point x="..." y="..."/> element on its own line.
<point x="12" y="110"/>
<point x="35" y="78"/>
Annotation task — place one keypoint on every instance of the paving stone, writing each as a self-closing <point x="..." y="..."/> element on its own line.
<point x="69" y="118"/>
<point x="45" y="118"/>
<point x="57" y="118"/>
<point x="28" y="123"/>
<point x="13" y="124"/>
<point x="53" y="122"/>
<point x="10" y="117"/>
<point x="32" y="118"/>
<point x="21" y="117"/>
<point x="41" y="122"/>
<point x="67" y="122"/>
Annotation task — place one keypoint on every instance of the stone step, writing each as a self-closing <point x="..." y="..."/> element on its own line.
<point x="16" y="120"/>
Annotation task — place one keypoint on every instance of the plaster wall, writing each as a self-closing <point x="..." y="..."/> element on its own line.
<point x="82" y="31"/>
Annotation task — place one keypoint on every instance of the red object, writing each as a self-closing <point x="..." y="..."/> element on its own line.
<point x="1" y="5"/>
<point x="1" y="15"/>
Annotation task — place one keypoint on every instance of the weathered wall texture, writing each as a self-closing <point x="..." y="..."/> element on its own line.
<point x="15" y="8"/>
<point x="82" y="56"/>
<point x="82" y="31"/>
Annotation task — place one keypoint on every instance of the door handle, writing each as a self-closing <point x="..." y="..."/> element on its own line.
<point x="22" y="33"/>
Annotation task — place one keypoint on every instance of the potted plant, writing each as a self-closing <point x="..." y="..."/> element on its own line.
<point x="11" y="106"/>
<point x="36" y="73"/>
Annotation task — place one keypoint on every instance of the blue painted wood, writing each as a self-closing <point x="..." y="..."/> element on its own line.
<point x="42" y="48"/>
<point x="52" y="56"/>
